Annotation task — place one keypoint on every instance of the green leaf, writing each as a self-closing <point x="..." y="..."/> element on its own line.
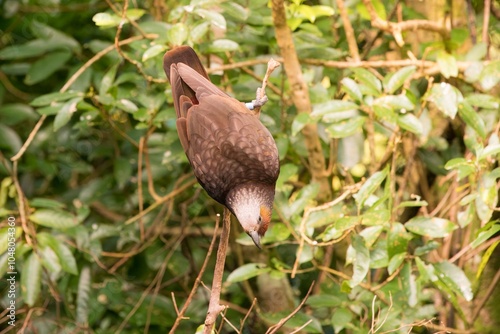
<point x="410" y="123"/>
<point x="490" y="75"/>
<point x="14" y="113"/>
<point x="6" y="235"/>
<point x="30" y="49"/>
<point x="379" y="9"/>
<point x="199" y="31"/>
<point x="370" y="186"/>
<point x="55" y="219"/>
<point x="485" y="234"/>
<point x="338" y="228"/>
<point x="213" y="17"/>
<point x="431" y="227"/>
<point x="483" y="101"/>
<point x="247" y="271"/>
<point x="352" y="89"/>
<point x="400" y="103"/>
<point x="427" y="271"/>
<point x="82" y="300"/>
<point x="453" y="277"/>
<point x="370" y="234"/>
<point x="397" y="240"/>
<point x="485" y="258"/>
<point x="361" y="261"/>
<point x="409" y="285"/>
<point x="152" y="52"/>
<point x="31" y="279"/>
<point x="108" y="79"/>
<point x="50" y="98"/>
<point x="223" y="45"/>
<point x="395" y="262"/>
<point x="394" y="81"/>
<point x="299" y="122"/>
<point x="50" y="262"/>
<point x="341" y="318"/>
<point x="346" y="128"/>
<point x="66" y="258"/>
<point x="177" y="34"/>
<point x="235" y="10"/>
<point x="53" y="38"/>
<point x="122" y="171"/>
<point x="46" y="66"/>
<point x="126" y="105"/>
<point x="471" y="118"/>
<point x="447" y="64"/>
<point x="106" y="20"/>
<point x="445" y="97"/>
<point x="477" y="52"/>
<point x="334" y="107"/>
<point x="9" y="139"/>
<point x="64" y="114"/>
<point x="368" y="79"/>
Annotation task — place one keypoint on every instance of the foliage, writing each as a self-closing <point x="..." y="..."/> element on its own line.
<point x="112" y="230"/>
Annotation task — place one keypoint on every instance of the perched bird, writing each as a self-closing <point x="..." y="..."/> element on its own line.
<point x="234" y="156"/>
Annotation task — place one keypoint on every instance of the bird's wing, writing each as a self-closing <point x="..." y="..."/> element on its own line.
<point x="228" y="146"/>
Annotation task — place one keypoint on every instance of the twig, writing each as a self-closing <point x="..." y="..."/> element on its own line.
<point x="274" y="328"/>
<point x="247" y="314"/>
<point x="180" y="314"/>
<point x="349" y="32"/>
<point x="486" y="22"/>
<point x="214" y="308"/>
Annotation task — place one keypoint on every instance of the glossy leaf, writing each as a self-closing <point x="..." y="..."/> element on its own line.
<point x="447" y="64"/>
<point x="485" y="258"/>
<point x="333" y="107"/>
<point x="472" y="119"/>
<point x="351" y="88"/>
<point x="430" y="226"/>
<point x="445" y="97"/>
<point x="341" y="318"/>
<point x="52" y="218"/>
<point x="368" y="78"/>
<point x="31" y="279"/>
<point x="213" y="17"/>
<point x="397" y="239"/>
<point x="152" y="52"/>
<point x="64" y="114"/>
<point x="64" y="255"/>
<point x="361" y="263"/>
<point x="177" y="34"/>
<point x="82" y="301"/>
<point x="395" y="262"/>
<point x="409" y="285"/>
<point x="411" y="123"/>
<point x="247" y="271"/>
<point x="299" y="122"/>
<point x="394" y="81"/>
<point x="455" y="279"/>
<point x="370" y="186"/>
<point x="346" y="128"/>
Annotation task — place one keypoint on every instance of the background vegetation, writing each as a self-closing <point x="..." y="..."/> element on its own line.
<point x="386" y="115"/>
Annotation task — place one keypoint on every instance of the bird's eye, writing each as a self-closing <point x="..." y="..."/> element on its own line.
<point x="260" y="219"/>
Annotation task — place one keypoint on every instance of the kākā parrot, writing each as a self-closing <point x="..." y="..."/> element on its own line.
<point x="233" y="155"/>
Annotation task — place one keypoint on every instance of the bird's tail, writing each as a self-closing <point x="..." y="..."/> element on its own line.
<point x="183" y="54"/>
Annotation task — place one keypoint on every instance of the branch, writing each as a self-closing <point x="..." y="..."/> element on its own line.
<point x="300" y="96"/>
<point x="349" y="32"/>
<point x="396" y="28"/>
<point x="214" y="308"/>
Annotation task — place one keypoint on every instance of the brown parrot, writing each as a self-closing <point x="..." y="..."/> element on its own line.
<point x="234" y="157"/>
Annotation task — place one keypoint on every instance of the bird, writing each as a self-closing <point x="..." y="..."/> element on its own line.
<point x="233" y="155"/>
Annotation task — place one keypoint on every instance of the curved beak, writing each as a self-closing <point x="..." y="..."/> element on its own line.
<point x="256" y="238"/>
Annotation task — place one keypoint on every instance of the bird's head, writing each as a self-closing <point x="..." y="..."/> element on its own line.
<point x="252" y="206"/>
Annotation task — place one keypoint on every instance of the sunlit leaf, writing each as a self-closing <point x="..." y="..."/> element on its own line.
<point x="455" y="279"/>
<point x="447" y="64"/>
<point x="395" y="262"/>
<point x="177" y="34"/>
<point x="247" y="271"/>
<point x="82" y="301"/>
<point x="152" y="52"/>
<point x="409" y="285"/>
<point x="370" y="186"/>
<point x="471" y="118"/>
<point x="430" y="226"/>
<point x="64" y="114"/>
<point x="52" y="218"/>
<point x="394" y="81"/>
<point x="346" y="128"/>
<point x="223" y="45"/>
<point x="299" y="122"/>
<point x="352" y="89"/>
<point x="446" y="98"/>
<point x="411" y="123"/>
<point x="361" y="263"/>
